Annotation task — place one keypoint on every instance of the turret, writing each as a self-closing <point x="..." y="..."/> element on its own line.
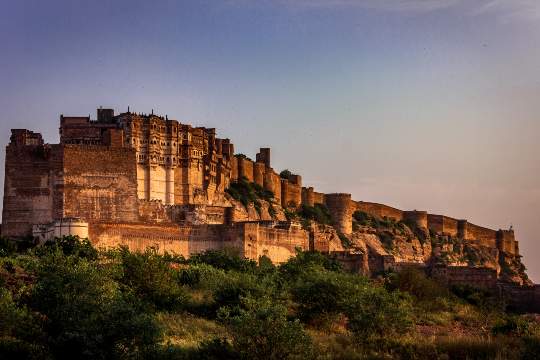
<point x="341" y="210"/>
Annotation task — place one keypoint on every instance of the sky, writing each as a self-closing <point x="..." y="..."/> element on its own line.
<point x="419" y="104"/>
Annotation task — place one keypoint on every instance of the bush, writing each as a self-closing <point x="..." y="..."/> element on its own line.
<point x="307" y="261"/>
<point x="249" y="193"/>
<point x="323" y="295"/>
<point x="7" y="247"/>
<point x="223" y="259"/>
<point x="234" y="288"/>
<point x="88" y="316"/>
<point x="515" y="325"/>
<point x="318" y="213"/>
<point x="261" y="331"/>
<point x="416" y="283"/>
<point x="151" y="277"/>
<point x="375" y="313"/>
<point x="69" y="245"/>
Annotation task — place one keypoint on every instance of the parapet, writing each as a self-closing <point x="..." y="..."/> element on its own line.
<point x="22" y="137"/>
<point x="264" y="156"/>
<point x="105" y="115"/>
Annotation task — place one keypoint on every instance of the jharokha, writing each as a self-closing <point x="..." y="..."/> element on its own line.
<point x="148" y="181"/>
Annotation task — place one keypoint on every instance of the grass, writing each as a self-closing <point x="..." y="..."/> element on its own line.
<point x="187" y="330"/>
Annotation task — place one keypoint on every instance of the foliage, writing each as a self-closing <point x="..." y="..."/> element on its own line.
<point x="323" y="295"/>
<point x="416" y="283"/>
<point x="249" y="193"/>
<point x="318" y="213"/>
<point x="88" y="316"/>
<point x="68" y="300"/>
<point x="286" y="174"/>
<point x="224" y="259"/>
<point x="376" y="312"/>
<point x="69" y="245"/>
<point x="307" y="261"/>
<point x="151" y="278"/>
<point x="261" y="330"/>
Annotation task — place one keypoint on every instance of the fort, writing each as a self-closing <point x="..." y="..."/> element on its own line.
<point x="144" y="180"/>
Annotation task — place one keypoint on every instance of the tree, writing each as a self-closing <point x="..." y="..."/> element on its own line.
<point x="261" y="331"/>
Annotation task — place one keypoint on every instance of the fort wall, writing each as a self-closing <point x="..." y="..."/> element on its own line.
<point x="379" y="210"/>
<point x="33" y="184"/>
<point x="259" y="170"/>
<point x="245" y="169"/>
<point x="291" y="193"/>
<point x="341" y="210"/>
<point x="278" y="244"/>
<point x="420" y="218"/>
<point x="99" y="183"/>
<point x="252" y="240"/>
<point x="464" y="275"/>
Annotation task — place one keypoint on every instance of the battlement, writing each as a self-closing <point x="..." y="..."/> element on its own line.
<point x="23" y="137"/>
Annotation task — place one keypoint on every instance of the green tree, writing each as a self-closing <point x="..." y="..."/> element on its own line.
<point x="261" y="330"/>
<point x="88" y="316"/>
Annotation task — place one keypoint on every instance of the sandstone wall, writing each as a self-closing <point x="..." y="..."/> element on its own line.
<point x="278" y="244"/>
<point x="379" y="210"/>
<point x="252" y="240"/>
<point x="245" y="169"/>
<point x="420" y="218"/>
<point x="464" y="275"/>
<point x="482" y="235"/>
<point x="441" y="224"/>
<point x="291" y="194"/>
<point x="32" y="187"/>
<point x="341" y="209"/>
<point x="258" y="173"/>
<point x="100" y="183"/>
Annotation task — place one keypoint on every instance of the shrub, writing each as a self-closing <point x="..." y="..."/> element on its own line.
<point x="374" y="312"/>
<point x="7" y="247"/>
<point x="416" y="283"/>
<point x="224" y="259"/>
<point x="318" y="213"/>
<point x="236" y="286"/>
<point x="471" y="348"/>
<point x="70" y="245"/>
<point x="87" y="314"/>
<point x="150" y="276"/>
<point x="261" y="331"/>
<point x="307" y="261"/>
<point x="516" y="326"/>
<point x="322" y="295"/>
<point x="286" y="174"/>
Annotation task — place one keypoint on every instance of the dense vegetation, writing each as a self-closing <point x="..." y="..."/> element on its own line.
<point x="68" y="300"/>
<point x="250" y="193"/>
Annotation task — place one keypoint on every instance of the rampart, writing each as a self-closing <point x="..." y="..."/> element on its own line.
<point x="464" y="275"/>
<point x="100" y="183"/>
<point x="251" y="239"/>
<point x="341" y="210"/>
<point x="379" y="210"/>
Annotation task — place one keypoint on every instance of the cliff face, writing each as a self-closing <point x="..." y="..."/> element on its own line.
<point x="407" y="243"/>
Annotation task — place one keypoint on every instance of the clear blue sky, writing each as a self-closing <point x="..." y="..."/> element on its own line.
<point x="421" y="104"/>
